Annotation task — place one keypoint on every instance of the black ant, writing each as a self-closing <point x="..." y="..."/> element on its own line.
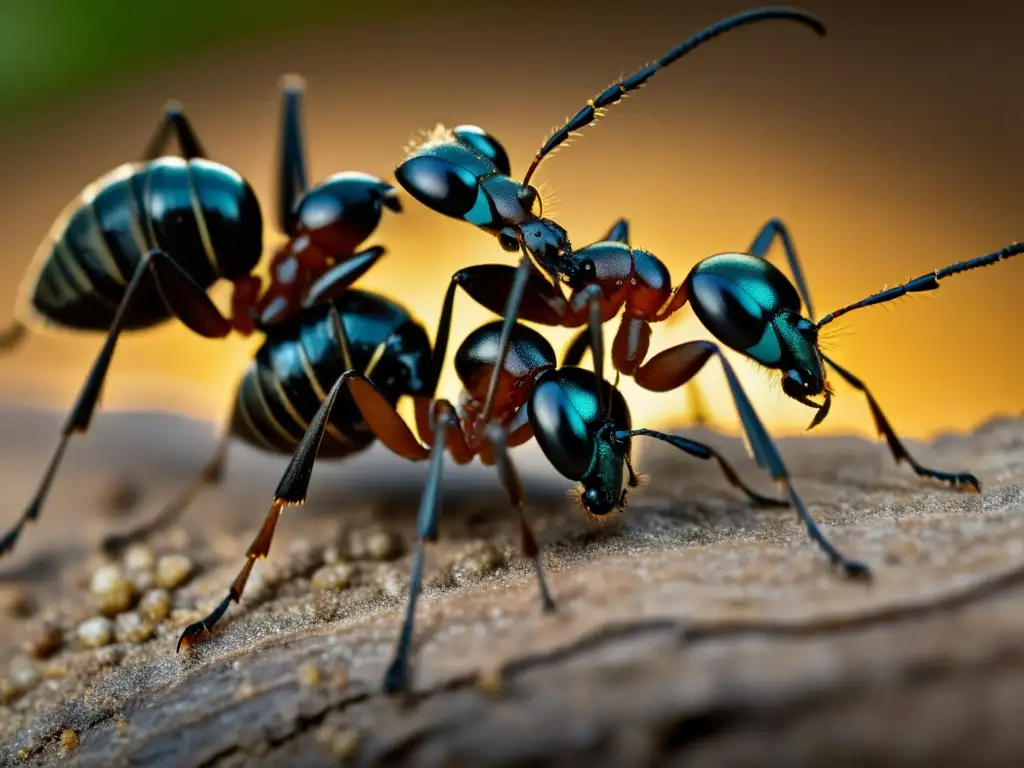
<point x="147" y="241"/>
<point x="464" y="173"/>
<point x="583" y="427"/>
<point x="583" y="430"/>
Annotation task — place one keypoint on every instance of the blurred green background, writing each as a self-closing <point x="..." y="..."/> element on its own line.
<point x="51" y="49"/>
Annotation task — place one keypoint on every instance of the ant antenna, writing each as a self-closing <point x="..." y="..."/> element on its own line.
<point x="928" y="282"/>
<point x="614" y="93"/>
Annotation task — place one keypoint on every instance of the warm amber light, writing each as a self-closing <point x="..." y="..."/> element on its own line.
<point x="695" y="173"/>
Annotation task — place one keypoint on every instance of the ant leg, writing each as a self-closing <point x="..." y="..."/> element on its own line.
<point x="776" y="229"/>
<point x="702" y="451"/>
<point x="396" y="678"/>
<point x="577" y="348"/>
<point x="291" y="170"/>
<point x="340" y="277"/>
<point x="515" y="295"/>
<point x="173" y="123"/>
<point x="670" y="369"/>
<point x="958" y="480"/>
<point x="619" y="233"/>
<point x="184" y="299"/>
<point x="12" y="336"/>
<point x="487" y="284"/>
<point x="498" y="438"/>
<point x="383" y="420"/>
<point x="211" y="474"/>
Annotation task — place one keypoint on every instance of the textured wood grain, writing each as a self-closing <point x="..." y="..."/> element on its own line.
<point x="692" y="629"/>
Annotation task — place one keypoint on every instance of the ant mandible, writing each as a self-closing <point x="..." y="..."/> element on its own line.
<point x="464" y="173"/>
<point x="147" y="241"/>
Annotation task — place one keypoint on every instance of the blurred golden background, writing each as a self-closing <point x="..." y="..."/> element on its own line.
<point x="890" y="147"/>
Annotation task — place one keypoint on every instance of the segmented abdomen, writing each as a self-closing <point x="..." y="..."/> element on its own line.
<point x="94" y="248"/>
<point x="302" y="359"/>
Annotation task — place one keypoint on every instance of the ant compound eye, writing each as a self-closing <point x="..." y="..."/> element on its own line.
<point x="587" y="269"/>
<point x="509" y="239"/>
<point x="529" y="199"/>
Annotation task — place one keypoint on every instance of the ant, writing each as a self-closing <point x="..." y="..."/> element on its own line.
<point x="147" y="241"/>
<point x="580" y="420"/>
<point x="464" y="173"/>
<point x="774" y="230"/>
<point x="584" y="431"/>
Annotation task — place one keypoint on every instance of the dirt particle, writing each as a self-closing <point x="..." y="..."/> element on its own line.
<point x="375" y="544"/>
<point x="95" y="632"/>
<point x="110" y="590"/>
<point x="130" y="627"/>
<point x="339" y="743"/>
<point x="333" y="554"/>
<point x="309" y="674"/>
<point x="9" y="691"/>
<point x="16" y="602"/>
<point x="142" y="580"/>
<point x="394" y="582"/>
<point x="68" y="740"/>
<point x="121" y="497"/>
<point x="155" y="605"/>
<point x="481" y="560"/>
<point x="139" y="557"/>
<point x="55" y="670"/>
<point x="490" y="680"/>
<point x="245" y="691"/>
<point x="44" y="640"/>
<point x="23" y="674"/>
<point x="172" y="571"/>
<point x="304" y="553"/>
<point x="121" y="725"/>
<point x="333" y="577"/>
<point x="23" y="755"/>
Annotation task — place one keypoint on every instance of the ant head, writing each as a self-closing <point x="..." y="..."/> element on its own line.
<point x="548" y="245"/>
<point x="603" y="486"/>
<point x="342" y="211"/>
<point x="463" y="173"/>
<point x="750" y="306"/>
<point x="577" y="438"/>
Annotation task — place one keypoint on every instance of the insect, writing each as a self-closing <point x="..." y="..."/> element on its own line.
<point x="750" y="305"/>
<point x="579" y="419"/>
<point x="584" y="430"/>
<point x="464" y="173"/>
<point x="771" y="232"/>
<point x="146" y="242"/>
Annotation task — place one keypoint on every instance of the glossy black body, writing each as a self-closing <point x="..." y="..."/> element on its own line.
<point x="748" y="304"/>
<point x="203" y="214"/>
<point x="529" y="352"/>
<point x="575" y="435"/>
<point x="301" y="359"/>
<point x="580" y="439"/>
